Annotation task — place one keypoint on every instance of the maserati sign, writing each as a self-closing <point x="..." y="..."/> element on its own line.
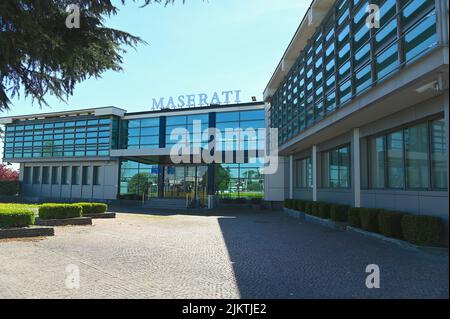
<point x="196" y="100"/>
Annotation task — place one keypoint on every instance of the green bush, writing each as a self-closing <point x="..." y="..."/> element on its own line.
<point x="324" y="210"/>
<point x="93" y="208"/>
<point x="59" y="211"/>
<point x="9" y="188"/>
<point x="288" y="203"/>
<point x="369" y="219"/>
<point x="422" y="230"/>
<point x="308" y="207"/>
<point x="354" y="219"/>
<point x="315" y="209"/>
<point x="339" y="213"/>
<point x="390" y="223"/>
<point x="12" y="216"/>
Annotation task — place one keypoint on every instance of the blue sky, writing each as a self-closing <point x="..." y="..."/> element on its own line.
<point x="198" y="47"/>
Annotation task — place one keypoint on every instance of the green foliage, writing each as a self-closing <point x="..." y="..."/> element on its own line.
<point x="308" y="207"/>
<point x="369" y="219"/>
<point x="354" y="219"/>
<point x="288" y="203"/>
<point x="324" y="210"/>
<point x="15" y="216"/>
<point x="339" y="213"/>
<point x="40" y="55"/>
<point x="9" y="188"/>
<point x="422" y="230"/>
<point x="390" y="223"/>
<point x="59" y="211"/>
<point x="222" y="178"/>
<point x="93" y="208"/>
<point x="315" y="209"/>
<point x="300" y="205"/>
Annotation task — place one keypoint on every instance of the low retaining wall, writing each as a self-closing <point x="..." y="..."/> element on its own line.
<point x="64" y="222"/>
<point x="23" y="232"/>
<point x="316" y="220"/>
<point x="399" y="242"/>
<point x="99" y="216"/>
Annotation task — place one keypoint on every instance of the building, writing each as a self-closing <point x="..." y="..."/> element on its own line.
<point x="363" y="113"/>
<point x="108" y="154"/>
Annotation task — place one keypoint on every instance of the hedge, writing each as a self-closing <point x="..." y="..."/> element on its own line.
<point x="422" y="230"/>
<point x="339" y="213"/>
<point x="354" y="219"/>
<point x="300" y="205"/>
<point x="93" y="208"/>
<point x="390" y="223"/>
<point x="9" y="188"/>
<point x="308" y="207"/>
<point x="59" y="211"/>
<point x="369" y="219"/>
<point x="11" y="216"/>
<point x="324" y="210"/>
<point x="288" y="203"/>
<point x="315" y="209"/>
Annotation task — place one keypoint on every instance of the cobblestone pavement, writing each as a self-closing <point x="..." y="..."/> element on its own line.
<point x="259" y="255"/>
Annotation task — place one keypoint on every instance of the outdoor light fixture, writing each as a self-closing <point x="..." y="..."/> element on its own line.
<point x="254" y="98"/>
<point x="429" y="86"/>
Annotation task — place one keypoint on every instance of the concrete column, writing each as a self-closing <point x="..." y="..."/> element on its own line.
<point x="446" y="116"/>
<point x="314" y="172"/>
<point x="442" y="22"/>
<point x="291" y="177"/>
<point x="356" y="172"/>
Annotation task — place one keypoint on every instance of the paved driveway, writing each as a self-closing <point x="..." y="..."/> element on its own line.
<point x="260" y="255"/>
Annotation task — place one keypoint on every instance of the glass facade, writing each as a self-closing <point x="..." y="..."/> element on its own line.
<point x="413" y="157"/>
<point x="345" y="58"/>
<point x="303" y="173"/>
<point x="239" y="180"/>
<point x="137" y="179"/>
<point x="187" y="122"/>
<point x="44" y="139"/>
<point x="140" y="133"/>
<point x="336" y="168"/>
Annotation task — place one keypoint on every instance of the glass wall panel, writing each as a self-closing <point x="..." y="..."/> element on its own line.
<point x="417" y="149"/>
<point x="377" y="162"/>
<point x="438" y="154"/>
<point x="395" y="160"/>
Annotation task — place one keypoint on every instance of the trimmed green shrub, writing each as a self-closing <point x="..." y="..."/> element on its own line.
<point x="339" y="213"/>
<point x="369" y="219"/>
<point x="288" y="203"/>
<point x="390" y="223"/>
<point x="93" y="208"/>
<point x="13" y="216"/>
<point x="354" y="219"/>
<point x="9" y="188"/>
<point x="324" y="210"/>
<point x="315" y="209"/>
<point x="422" y="230"/>
<point x="308" y="207"/>
<point x="302" y="206"/>
<point x="59" y="211"/>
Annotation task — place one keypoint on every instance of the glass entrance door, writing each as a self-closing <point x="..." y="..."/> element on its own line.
<point x="186" y="182"/>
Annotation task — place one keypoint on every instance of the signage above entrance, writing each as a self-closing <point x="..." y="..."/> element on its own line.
<point x="196" y="100"/>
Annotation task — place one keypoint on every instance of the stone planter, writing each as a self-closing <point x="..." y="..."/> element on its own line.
<point x="25" y="232"/>
<point x="64" y="222"/>
<point x="100" y="216"/>
<point x="294" y="213"/>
